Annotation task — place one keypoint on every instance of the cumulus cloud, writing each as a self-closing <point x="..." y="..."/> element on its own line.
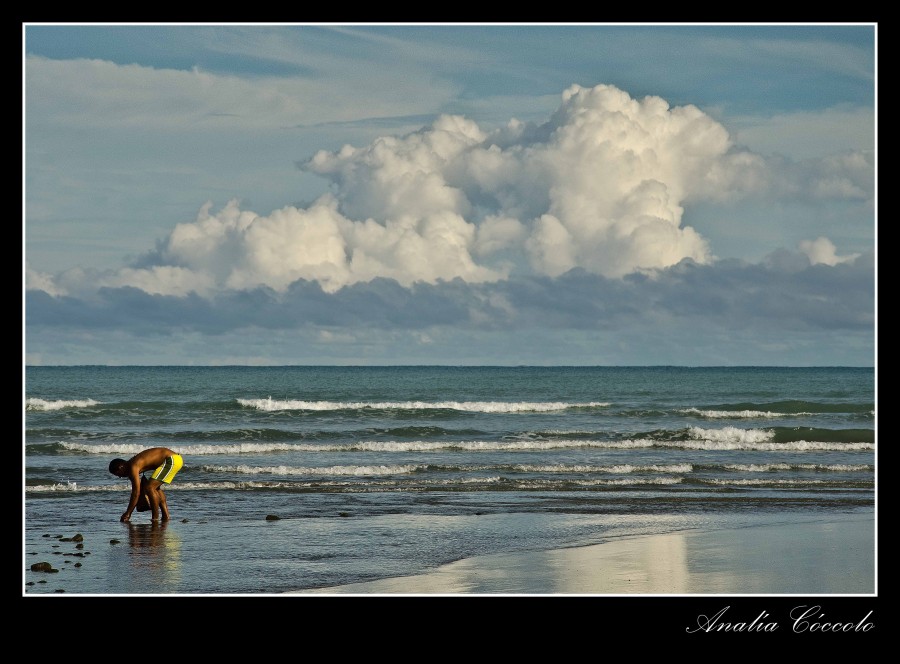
<point x="822" y="250"/>
<point x="35" y="280"/>
<point x="601" y="186"/>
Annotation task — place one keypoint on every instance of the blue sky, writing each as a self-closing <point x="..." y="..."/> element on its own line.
<point x="450" y="194"/>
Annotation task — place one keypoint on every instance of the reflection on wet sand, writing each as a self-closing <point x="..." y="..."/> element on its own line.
<point x="155" y="552"/>
<point x="657" y="564"/>
<point x="789" y="558"/>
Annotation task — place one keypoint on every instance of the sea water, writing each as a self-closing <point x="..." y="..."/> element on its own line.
<point x="309" y="477"/>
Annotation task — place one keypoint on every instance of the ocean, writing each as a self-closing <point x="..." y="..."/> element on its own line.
<point x="312" y="477"/>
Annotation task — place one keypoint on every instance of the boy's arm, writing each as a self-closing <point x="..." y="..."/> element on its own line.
<point x="135" y="494"/>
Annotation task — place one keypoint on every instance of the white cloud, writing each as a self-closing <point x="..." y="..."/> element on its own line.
<point x="35" y="280"/>
<point x="287" y="245"/>
<point x="551" y="247"/>
<point x="394" y="178"/>
<point x="600" y="186"/>
<point x="822" y="250"/>
<point x="497" y="233"/>
<point x="161" y="280"/>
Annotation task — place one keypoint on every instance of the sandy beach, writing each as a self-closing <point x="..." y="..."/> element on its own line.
<point x="832" y="556"/>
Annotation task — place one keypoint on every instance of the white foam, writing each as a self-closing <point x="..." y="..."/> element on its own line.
<point x="767" y="467"/>
<point x="193" y="450"/>
<point x="69" y="486"/>
<point x="713" y="414"/>
<point x="630" y="482"/>
<point x="43" y="404"/>
<point x="622" y="468"/>
<point x="763" y="482"/>
<point x="757" y="468"/>
<point x="312" y="470"/>
<point x="794" y="446"/>
<point x="464" y="480"/>
<point x="731" y="435"/>
<point x="270" y="404"/>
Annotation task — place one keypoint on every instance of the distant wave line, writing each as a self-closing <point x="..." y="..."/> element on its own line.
<point x="361" y="470"/>
<point x="470" y="406"/>
<point x="790" y="407"/>
<point x="411" y="468"/>
<point x="735" y="414"/>
<point x="720" y="443"/>
<point x="768" y="467"/>
<point x="472" y="483"/>
<point x="375" y="485"/>
<point x="355" y="470"/>
<point x="731" y="434"/>
<point x="768" y="482"/>
<point x="33" y="403"/>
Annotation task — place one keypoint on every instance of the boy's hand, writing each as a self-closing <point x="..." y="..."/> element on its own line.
<point x="125" y="517"/>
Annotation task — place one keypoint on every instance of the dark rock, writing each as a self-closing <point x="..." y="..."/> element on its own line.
<point x="78" y="538"/>
<point x="56" y="553"/>
<point x="272" y="517"/>
<point x="79" y="554"/>
<point x="77" y="564"/>
<point x="54" y="571"/>
<point x="79" y="546"/>
<point x="65" y="539"/>
<point x="344" y="514"/>
<point x="29" y="583"/>
<point x="59" y="590"/>
<point x="184" y="521"/>
<point x="46" y="535"/>
<point x="43" y="581"/>
<point x="115" y="541"/>
<point x="41" y="567"/>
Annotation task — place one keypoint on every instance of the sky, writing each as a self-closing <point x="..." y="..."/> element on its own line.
<point x="494" y="194"/>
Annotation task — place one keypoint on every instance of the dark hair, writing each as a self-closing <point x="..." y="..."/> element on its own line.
<point x="116" y="466"/>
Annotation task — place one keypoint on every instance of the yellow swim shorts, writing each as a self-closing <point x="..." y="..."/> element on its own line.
<point x="166" y="472"/>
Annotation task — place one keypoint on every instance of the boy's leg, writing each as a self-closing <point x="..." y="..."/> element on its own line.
<point x="143" y="503"/>
<point x="153" y="497"/>
<point x="163" y="505"/>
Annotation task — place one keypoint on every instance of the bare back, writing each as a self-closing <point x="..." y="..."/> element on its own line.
<point x="149" y="459"/>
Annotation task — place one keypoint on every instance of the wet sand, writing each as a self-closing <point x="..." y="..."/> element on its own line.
<point x="832" y="556"/>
